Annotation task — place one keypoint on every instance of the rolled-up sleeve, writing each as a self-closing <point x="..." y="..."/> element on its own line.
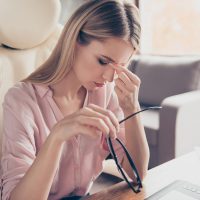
<point x="18" y="147"/>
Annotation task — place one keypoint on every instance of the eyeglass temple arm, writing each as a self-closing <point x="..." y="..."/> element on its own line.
<point x="118" y="165"/>
<point x="120" y="168"/>
<point x="126" y="151"/>
<point x="148" y="108"/>
<point x="131" y="163"/>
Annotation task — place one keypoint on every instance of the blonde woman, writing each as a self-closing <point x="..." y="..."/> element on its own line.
<point x="56" y="120"/>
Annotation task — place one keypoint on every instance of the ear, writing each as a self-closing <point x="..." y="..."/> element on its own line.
<point x="25" y="24"/>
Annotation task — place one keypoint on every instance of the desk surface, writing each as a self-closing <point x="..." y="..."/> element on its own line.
<point x="185" y="168"/>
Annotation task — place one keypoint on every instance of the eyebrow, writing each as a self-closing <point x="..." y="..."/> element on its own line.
<point x="110" y="59"/>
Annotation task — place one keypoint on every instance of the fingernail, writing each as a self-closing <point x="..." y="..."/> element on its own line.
<point x="115" y="76"/>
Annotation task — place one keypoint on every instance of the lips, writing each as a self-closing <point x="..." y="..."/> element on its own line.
<point x="99" y="84"/>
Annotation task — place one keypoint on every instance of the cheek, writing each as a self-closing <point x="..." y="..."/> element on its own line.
<point x="87" y="70"/>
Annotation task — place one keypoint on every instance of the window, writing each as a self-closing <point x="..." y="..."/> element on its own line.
<point x="170" y="27"/>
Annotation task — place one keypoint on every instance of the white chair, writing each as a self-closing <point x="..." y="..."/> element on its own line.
<point x="27" y="39"/>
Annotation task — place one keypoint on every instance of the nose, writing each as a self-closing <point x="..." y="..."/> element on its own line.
<point x="109" y="74"/>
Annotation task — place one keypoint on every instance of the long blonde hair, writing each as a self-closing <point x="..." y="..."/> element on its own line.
<point x="95" y="19"/>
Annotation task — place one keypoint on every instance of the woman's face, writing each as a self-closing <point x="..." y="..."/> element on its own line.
<point x="93" y="62"/>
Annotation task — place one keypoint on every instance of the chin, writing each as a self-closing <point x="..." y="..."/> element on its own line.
<point x="92" y="88"/>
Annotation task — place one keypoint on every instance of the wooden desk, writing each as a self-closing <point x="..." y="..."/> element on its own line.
<point x="186" y="167"/>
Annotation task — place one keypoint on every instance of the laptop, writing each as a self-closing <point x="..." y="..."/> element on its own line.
<point x="178" y="190"/>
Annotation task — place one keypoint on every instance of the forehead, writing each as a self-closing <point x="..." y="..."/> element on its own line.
<point x="117" y="49"/>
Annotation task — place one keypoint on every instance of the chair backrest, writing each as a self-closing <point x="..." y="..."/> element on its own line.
<point x="164" y="76"/>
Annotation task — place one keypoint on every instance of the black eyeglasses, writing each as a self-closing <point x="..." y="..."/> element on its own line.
<point x="134" y="186"/>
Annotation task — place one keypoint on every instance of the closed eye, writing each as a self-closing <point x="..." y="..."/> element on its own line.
<point x="102" y="61"/>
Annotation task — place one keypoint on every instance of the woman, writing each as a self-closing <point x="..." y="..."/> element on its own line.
<point x="62" y="113"/>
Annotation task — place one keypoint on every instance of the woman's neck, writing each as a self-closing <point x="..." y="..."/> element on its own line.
<point x="68" y="88"/>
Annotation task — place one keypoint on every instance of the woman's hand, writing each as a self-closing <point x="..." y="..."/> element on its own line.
<point x="127" y="89"/>
<point x="90" y="120"/>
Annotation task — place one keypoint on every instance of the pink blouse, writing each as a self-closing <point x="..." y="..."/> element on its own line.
<point x="29" y="114"/>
